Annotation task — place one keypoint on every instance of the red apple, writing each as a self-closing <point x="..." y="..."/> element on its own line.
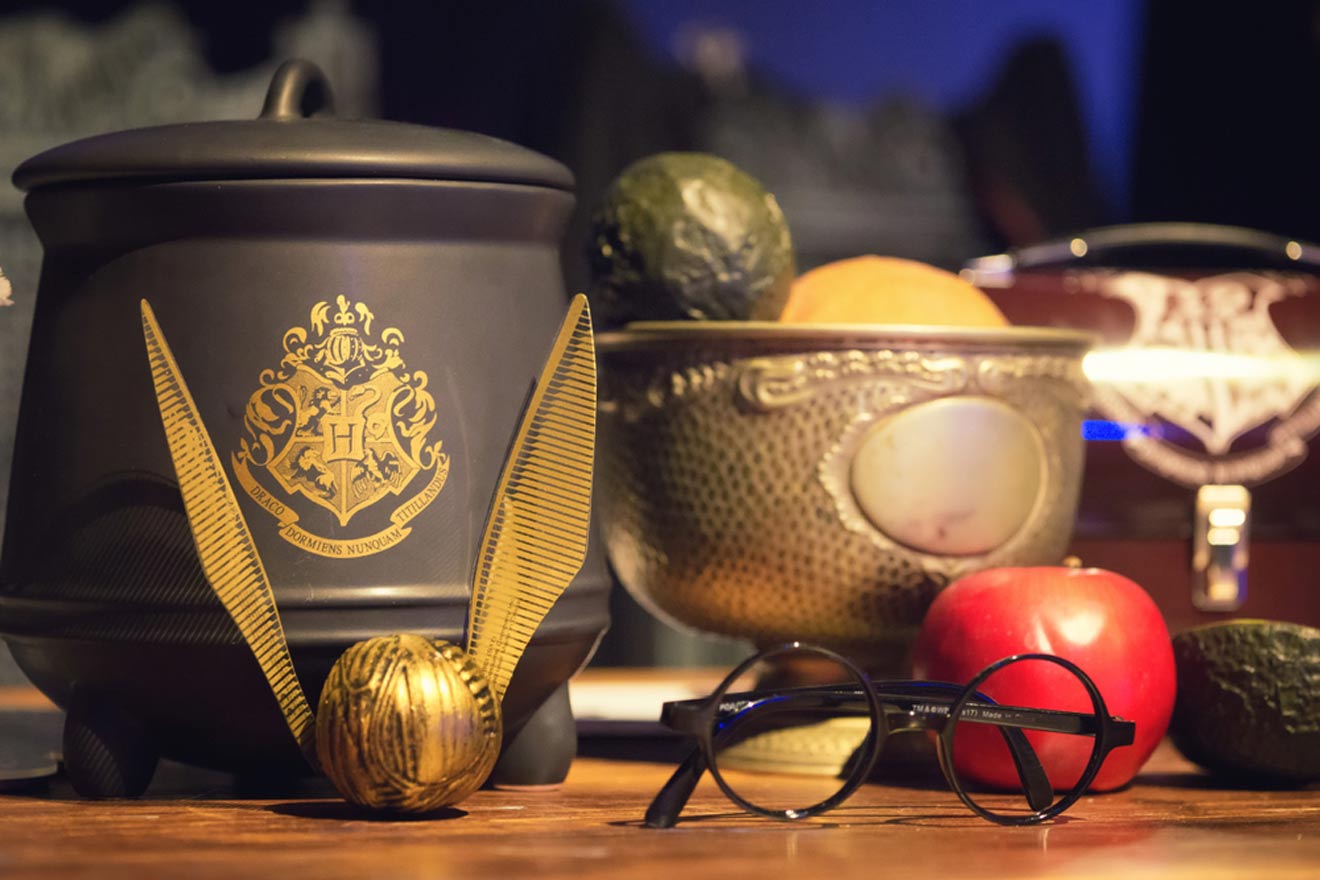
<point x="1101" y="621"/>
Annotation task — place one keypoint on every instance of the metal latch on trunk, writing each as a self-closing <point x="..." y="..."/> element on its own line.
<point x="1219" y="547"/>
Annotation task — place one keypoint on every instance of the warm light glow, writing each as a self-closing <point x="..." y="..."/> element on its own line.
<point x="1083" y="627"/>
<point x="1227" y="517"/>
<point x="1293" y="250"/>
<point x="1172" y="364"/>
<point x="1224" y="590"/>
<point x="991" y="271"/>
<point x="1222" y="537"/>
<point x="1078" y="247"/>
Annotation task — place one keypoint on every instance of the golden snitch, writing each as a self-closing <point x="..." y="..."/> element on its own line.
<point x="405" y="723"/>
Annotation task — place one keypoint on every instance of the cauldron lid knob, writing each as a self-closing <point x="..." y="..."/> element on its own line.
<point x="272" y="147"/>
<point x="298" y="90"/>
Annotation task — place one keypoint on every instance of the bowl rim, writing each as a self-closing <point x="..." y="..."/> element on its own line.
<point x="650" y="334"/>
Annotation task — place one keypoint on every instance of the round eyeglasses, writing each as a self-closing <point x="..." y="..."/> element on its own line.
<point x="794" y="752"/>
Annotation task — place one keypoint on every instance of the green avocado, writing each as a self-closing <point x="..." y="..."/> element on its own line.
<point x="1248" y="702"/>
<point x="688" y="236"/>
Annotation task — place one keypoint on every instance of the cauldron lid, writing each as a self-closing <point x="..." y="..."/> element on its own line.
<point x="296" y="136"/>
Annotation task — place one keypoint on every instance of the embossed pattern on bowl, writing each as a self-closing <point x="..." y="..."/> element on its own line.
<point x="776" y="482"/>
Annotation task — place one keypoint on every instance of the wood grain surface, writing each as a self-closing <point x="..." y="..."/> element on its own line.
<point x="1173" y="822"/>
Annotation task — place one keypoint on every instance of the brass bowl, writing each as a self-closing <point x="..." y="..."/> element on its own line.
<point x="817" y="482"/>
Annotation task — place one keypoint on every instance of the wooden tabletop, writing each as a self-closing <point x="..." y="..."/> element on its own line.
<point x="1173" y="822"/>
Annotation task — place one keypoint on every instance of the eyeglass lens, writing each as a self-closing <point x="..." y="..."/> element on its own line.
<point x="982" y="760"/>
<point x="791" y="751"/>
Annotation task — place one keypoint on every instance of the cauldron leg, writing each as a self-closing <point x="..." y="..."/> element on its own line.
<point x="540" y="752"/>
<point x="106" y="752"/>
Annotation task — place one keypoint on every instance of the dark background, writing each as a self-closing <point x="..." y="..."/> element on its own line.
<point x="938" y="130"/>
<point x="1062" y="115"/>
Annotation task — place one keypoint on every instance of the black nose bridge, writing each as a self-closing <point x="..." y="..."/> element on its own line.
<point x="683" y="717"/>
<point x="919" y="718"/>
<point x="900" y="722"/>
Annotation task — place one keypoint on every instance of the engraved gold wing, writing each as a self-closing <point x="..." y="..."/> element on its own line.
<point x="224" y="545"/>
<point x="536" y="532"/>
<point x="534" y="543"/>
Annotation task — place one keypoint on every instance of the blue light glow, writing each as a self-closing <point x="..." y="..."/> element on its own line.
<point x="1105" y="430"/>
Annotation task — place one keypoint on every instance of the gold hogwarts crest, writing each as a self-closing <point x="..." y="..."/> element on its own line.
<point x="343" y="423"/>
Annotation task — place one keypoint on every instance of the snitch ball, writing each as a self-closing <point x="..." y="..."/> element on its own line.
<point x="407" y="725"/>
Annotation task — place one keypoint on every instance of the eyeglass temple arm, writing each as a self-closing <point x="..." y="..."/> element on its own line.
<point x="1035" y="782"/>
<point x="664" y="810"/>
<point x="1039" y="791"/>
<point x="986" y="711"/>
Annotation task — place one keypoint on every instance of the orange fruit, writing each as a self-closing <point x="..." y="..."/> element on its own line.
<point x="887" y="290"/>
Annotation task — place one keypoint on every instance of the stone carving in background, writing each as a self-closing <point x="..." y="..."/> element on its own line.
<point x="885" y="179"/>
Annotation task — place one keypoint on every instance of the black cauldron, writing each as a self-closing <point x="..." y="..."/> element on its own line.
<point x="358" y="308"/>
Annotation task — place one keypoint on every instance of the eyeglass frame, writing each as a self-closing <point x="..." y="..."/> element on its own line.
<point x="697" y="718"/>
